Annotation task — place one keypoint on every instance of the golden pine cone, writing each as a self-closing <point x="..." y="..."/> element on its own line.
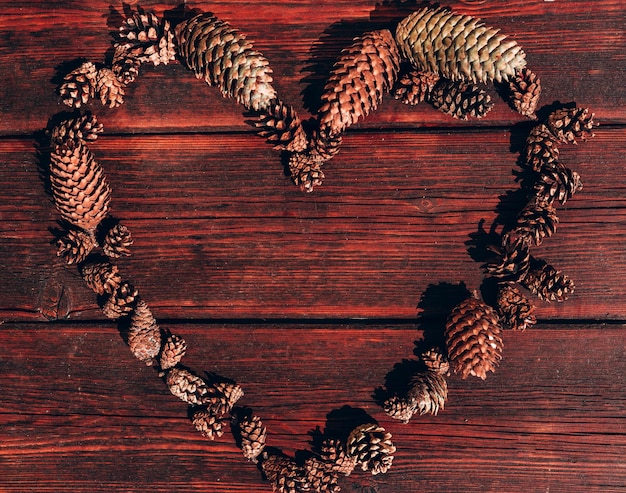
<point x="415" y="86"/>
<point x="557" y="183"/>
<point x="125" y="64"/>
<point x="524" y="90"/>
<point x="85" y="127"/>
<point x="172" y="352"/>
<point x="320" y="477"/>
<point x="512" y="258"/>
<point x="428" y="391"/>
<point x="189" y="388"/>
<point x="540" y="152"/>
<point x="79" y="85"/>
<point x="548" y="283"/>
<point x="401" y="408"/>
<point x="516" y="311"/>
<point x="101" y="277"/>
<point x="280" y="125"/>
<point x="79" y="188"/>
<point x="209" y="424"/>
<point x="76" y="245"/>
<point x="371" y="445"/>
<point x="569" y="124"/>
<point x="117" y="241"/>
<point x="458" y="47"/>
<point x="109" y="88"/>
<point x="473" y="338"/>
<point x="460" y="99"/>
<point x="364" y="72"/>
<point x="144" y="334"/>
<point x="223" y="57"/>
<point x="253" y="436"/>
<point x="538" y="220"/>
<point x="436" y="361"/>
<point x="335" y="456"/>
<point x="121" y="302"/>
<point x="147" y="38"/>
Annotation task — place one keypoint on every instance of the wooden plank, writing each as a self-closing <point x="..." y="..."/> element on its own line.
<point x="577" y="50"/>
<point x="235" y="239"/>
<point x="551" y="417"/>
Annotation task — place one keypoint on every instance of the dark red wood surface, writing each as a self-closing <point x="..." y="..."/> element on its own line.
<point x="309" y="302"/>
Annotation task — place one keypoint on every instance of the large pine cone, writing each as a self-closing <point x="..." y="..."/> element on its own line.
<point x="224" y="58"/>
<point x="144" y="334"/>
<point x="364" y="72"/>
<point x="147" y="38"/>
<point x="371" y="445"/>
<point x="79" y="85"/>
<point x="548" y="283"/>
<point x="459" y="47"/>
<point x="569" y="124"/>
<point x="80" y="189"/>
<point x="460" y="99"/>
<point x="540" y="152"/>
<point x="473" y="338"/>
<point x="516" y="311"/>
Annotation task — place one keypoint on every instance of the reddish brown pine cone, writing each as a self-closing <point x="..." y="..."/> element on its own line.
<point x="286" y="476"/>
<point x="188" y="387"/>
<point x="306" y="171"/>
<point x="173" y="351"/>
<point x="548" y="283"/>
<point x="79" y="85"/>
<point x="147" y="38"/>
<point x="460" y="99"/>
<point x="540" y="152"/>
<point x="253" y="436"/>
<point x="144" y="334"/>
<point x="512" y="259"/>
<point x="569" y="124"/>
<point x="121" y="302"/>
<point x="125" y="64"/>
<point x="401" y="408"/>
<point x="280" y="125"/>
<point x="75" y="246"/>
<point x="473" y="337"/>
<point x="516" y="311"/>
<point x="334" y="454"/>
<point x="85" y="127"/>
<point x="524" y="90"/>
<point x="558" y="183"/>
<point x="538" y="220"/>
<point x="101" y="277"/>
<point x="321" y="478"/>
<point x="436" y="361"/>
<point x="429" y="391"/>
<point x="109" y="88"/>
<point x="371" y="445"/>
<point x="117" y="241"/>
<point x="415" y="86"/>
<point x="209" y="424"/>
<point x="361" y="76"/>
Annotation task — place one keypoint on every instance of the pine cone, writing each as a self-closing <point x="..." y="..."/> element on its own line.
<point x="306" y="171"/>
<point x="512" y="259"/>
<point x="109" y="88"/>
<point x="429" y="391"/>
<point x="79" y="85"/>
<point x="516" y="311"/>
<point x="227" y="394"/>
<point x="223" y="57"/>
<point x="75" y="246"/>
<point x="84" y="127"/>
<point x="282" y="128"/>
<point x="538" y="220"/>
<point x="361" y="76"/>
<point x="334" y="454"/>
<point x="415" y="86"/>
<point x="286" y="476"/>
<point x="324" y="146"/>
<point x="173" y="351"/>
<point x="524" y="89"/>
<point x="125" y="64"/>
<point x="101" y="277"/>
<point x="117" y="241"/>
<point x="458" y="47"/>
<point x="557" y="183"/>
<point x="401" y="408"/>
<point x="473" y="338"/>
<point x="548" y="283"/>
<point x="79" y="188"/>
<point x="209" y="424"/>
<point x="253" y="436"/>
<point x="460" y="99"/>
<point x="371" y="445"/>
<point x="436" y="361"/>
<point x="189" y="388"/>
<point x="540" y="152"/>
<point x="322" y="480"/>
<point x="121" y="302"/>
<point x="144" y="334"/>
<point x="569" y="124"/>
<point x="147" y="38"/>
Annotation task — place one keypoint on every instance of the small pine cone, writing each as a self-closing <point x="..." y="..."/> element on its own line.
<point x="79" y="187"/>
<point x="272" y="465"/>
<point x="325" y="146"/>
<point x="436" y="361"/>
<point x="173" y="351"/>
<point x="144" y="334"/>
<point x="569" y="124"/>
<point x="538" y="220"/>
<point x="85" y="128"/>
<point x="540" y="152"/>
<point x="429" y="391"/>
<point x="227" y="394"/>
<point x="415" y="86"/>
<point x="209" y="424"/>
<point x="117" y="241"/>
<point x="253" y="436"/>
<point x="473" y="338"/>
<point x="79" y="85"/>
<point x="548" y="283"/>
<point x="557" y="183"/>
<point x="282" y="128"/>
<point x="101" y="277"/>
<point x="75" y="246"/>
<point x="148" y="39"/>
<point x="372" y="447"/>
<point x="459" y="47"/>
<point x="512" y="259"/>
<point x="400" y="408"/>
<point x="361" y="76"/>
<point x="306" y="171"/>
<point x="516" y="311"/>
<point x="188" y="387"/>
<point x="333" y="453"/>
<point x="223" y="57"/>
<point x="286" y="476"/>
<point x="322" y="479"/>
<point x="121" y="302"/>
<point x="125" y="64"/>
<point x="110" y="89"/>
<point x="460" y="99"/>
<point x="524" y="91"/>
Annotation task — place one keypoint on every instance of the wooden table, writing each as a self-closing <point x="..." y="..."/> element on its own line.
<point x="309" y="301"/>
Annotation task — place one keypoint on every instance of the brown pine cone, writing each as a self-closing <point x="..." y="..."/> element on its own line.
<point x="512" y="259"/>
<point x="473" y="337"/>
<point x="85" y="127"/>
<point x="79" y="85"/>
<point x="538" y="220"/>
<point x="121" y="302"/>
<point x="117" y="241"/>
<point x="429" y="391"/>
<point x="253" y="436"/>
<point x="223" y="57"/>
<point x="524" y="89"/>
<point x="324" y="146"/>
<point x="458" y="47"/>
<point x="172" y="352"/>
<point x="75" y="246"/>
<point x="460" y="99"/>
<point x="569" y="124"/>
<point x="540" y="152"/>
<point x="516" y="311"/>
<point x="286" y="476"/>
<point x="436" y="361"/>
<point x="415" y="86"/>
<point x="280" y="125"/>
<point x="227" y="394"/>
<point x="364" y="72"/>
<point x="109" y="88"/>
<point x="79" y="188"/>
<point x="147" y="38"/>
<point x="306" y="171"/>
<point x="401" y="408"/>
<point x="371" y="445"/>
<point x="322" y="479"/>
<point x="557" y="183"/>
<point x="548" y="283"/>
<point x="209" y="424"/>
<point x="101" y="277"/>
<point x="144" y="334"/>
<point x="125" y="64"/>
<point x="189" y="388"/>
<point x="334" y="454"/>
